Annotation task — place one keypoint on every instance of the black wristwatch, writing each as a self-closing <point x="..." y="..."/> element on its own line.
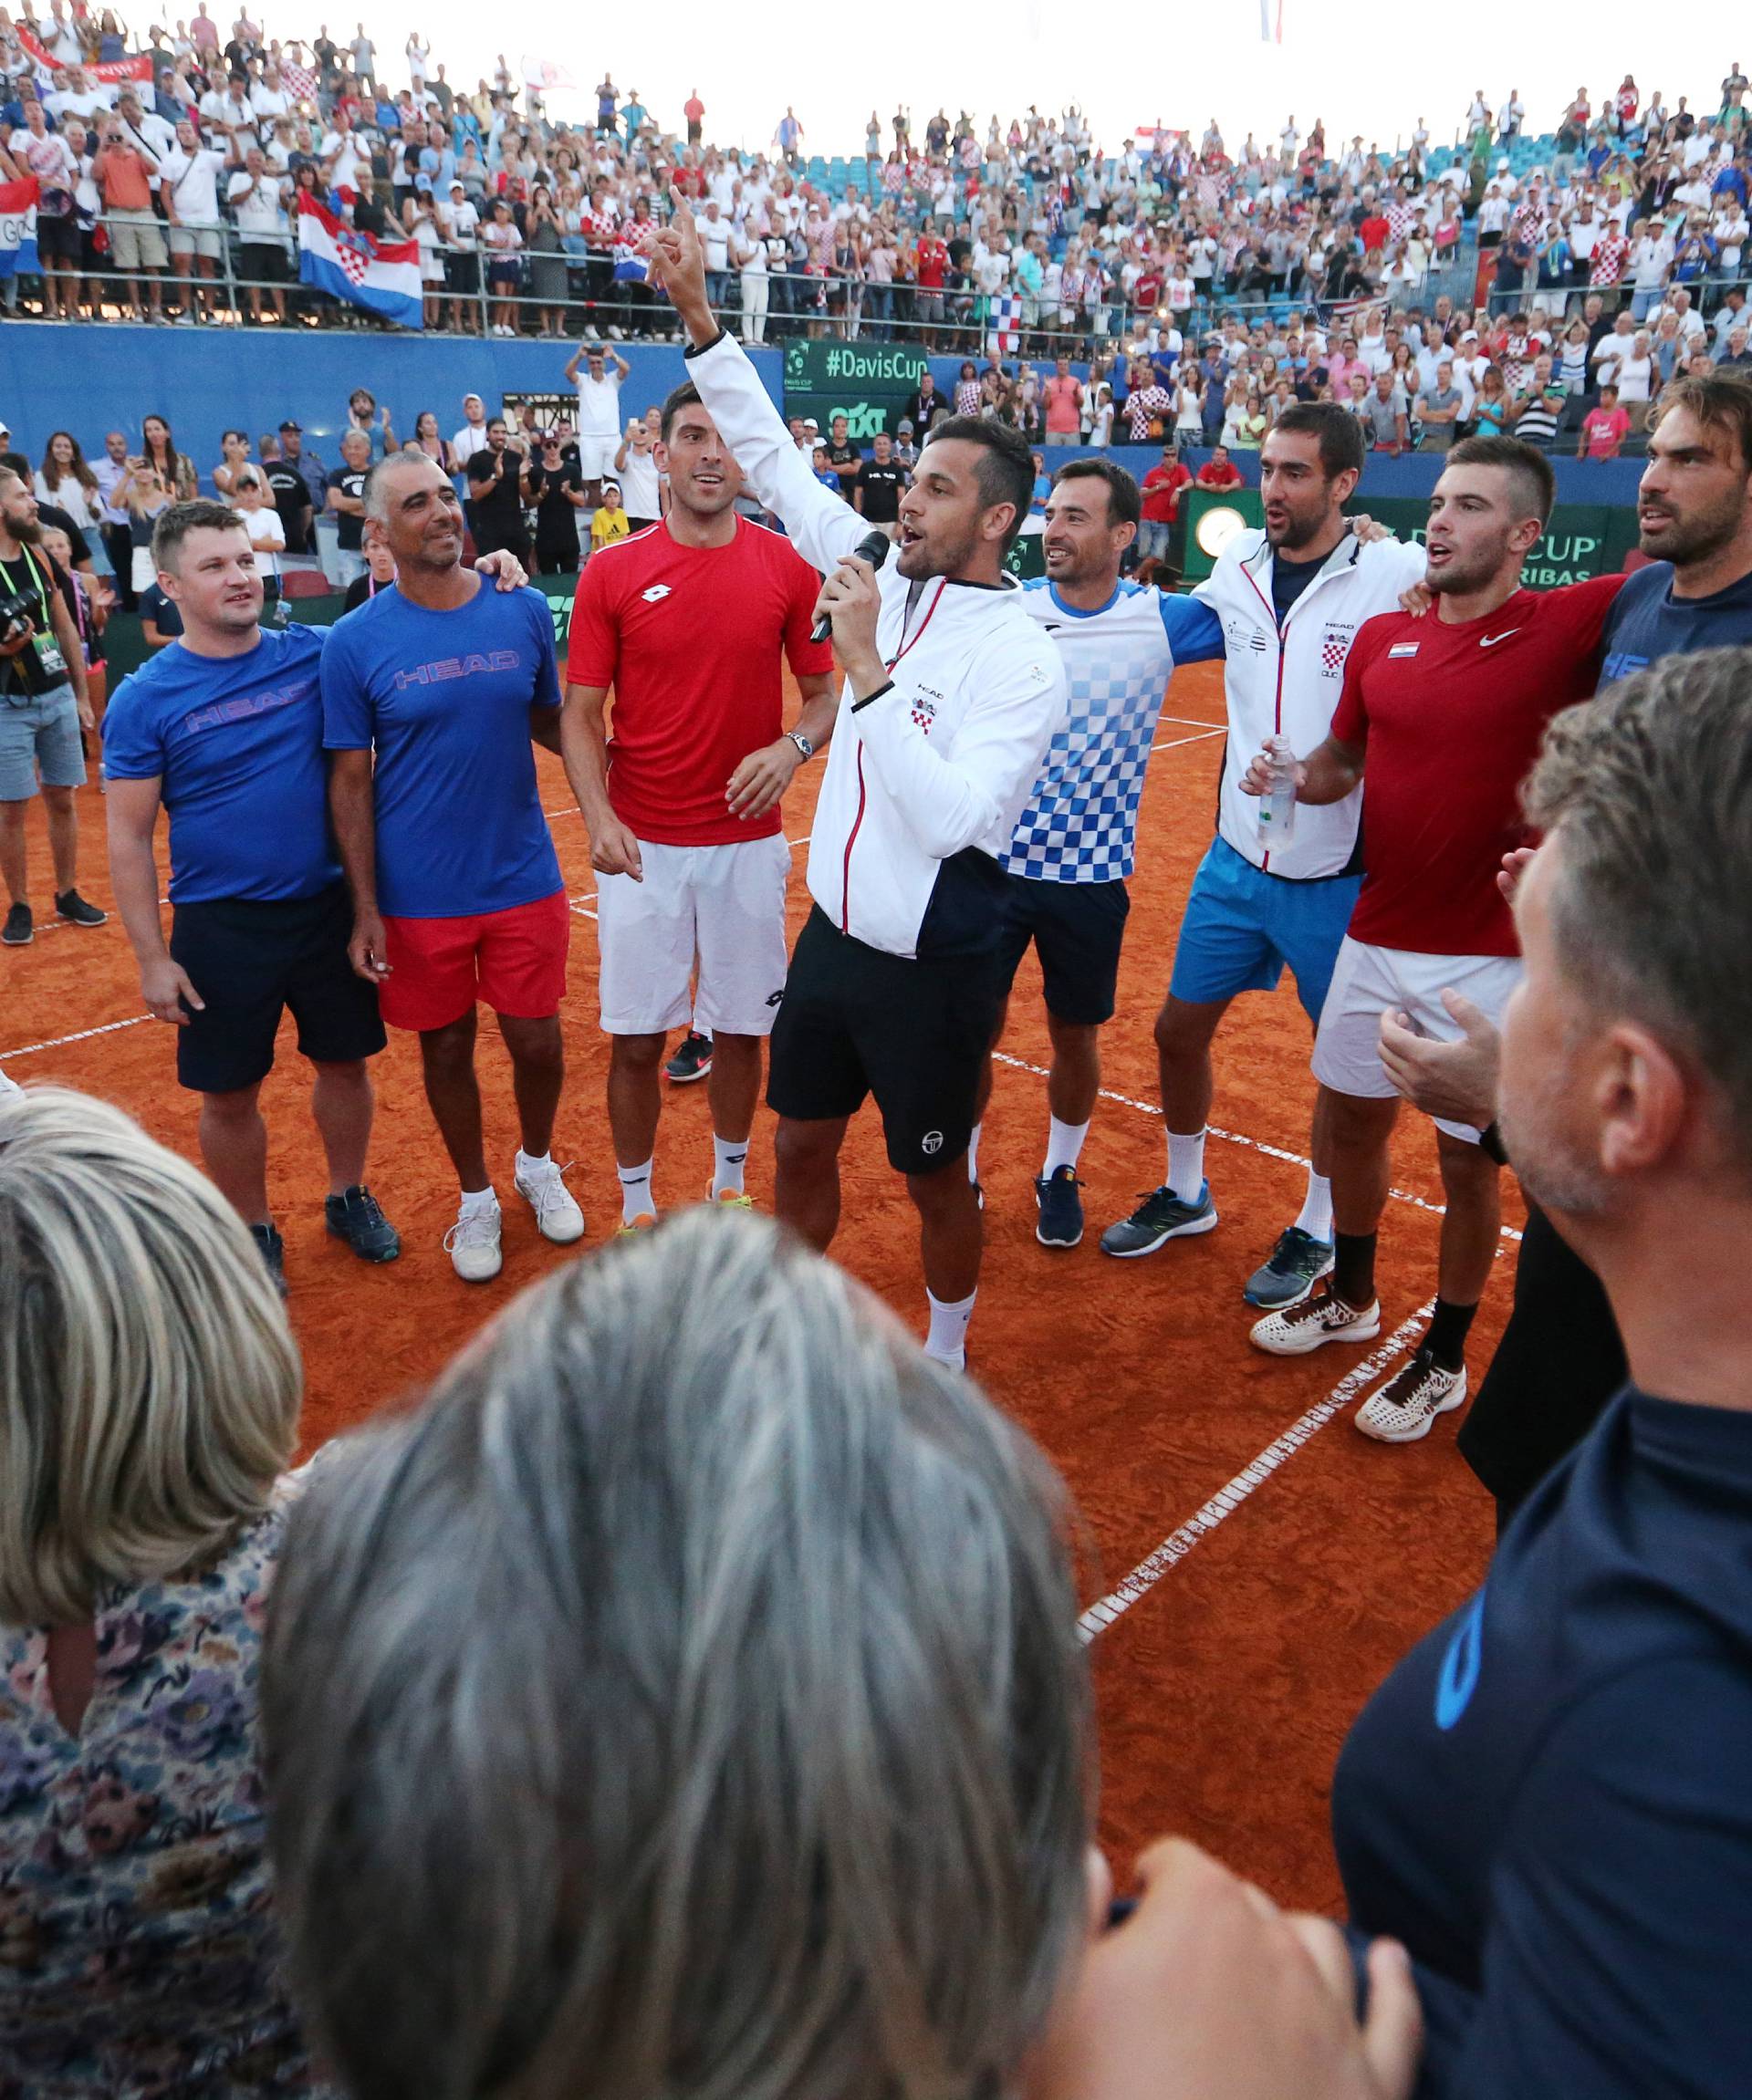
<point x="801" y="742"/>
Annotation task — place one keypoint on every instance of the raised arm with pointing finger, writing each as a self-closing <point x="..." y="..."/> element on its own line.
<point x="952" y="693"/>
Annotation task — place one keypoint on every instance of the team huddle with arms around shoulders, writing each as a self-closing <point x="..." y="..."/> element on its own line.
<point x="357" y="832"/>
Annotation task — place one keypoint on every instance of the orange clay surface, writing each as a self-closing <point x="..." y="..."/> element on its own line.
<point x="1226" y="1689"/>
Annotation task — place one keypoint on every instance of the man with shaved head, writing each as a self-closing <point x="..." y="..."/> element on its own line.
<point x="431" y="695"/>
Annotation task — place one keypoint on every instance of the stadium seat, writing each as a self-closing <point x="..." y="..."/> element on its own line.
<point x="306" y="583"/>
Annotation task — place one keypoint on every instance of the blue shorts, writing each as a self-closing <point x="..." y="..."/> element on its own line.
<point x="1241" y="926"/>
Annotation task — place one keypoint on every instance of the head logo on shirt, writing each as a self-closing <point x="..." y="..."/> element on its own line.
<point x="657" y="590"/>
<point x="1460" y="1665"/>
<point x="449" y="666"/>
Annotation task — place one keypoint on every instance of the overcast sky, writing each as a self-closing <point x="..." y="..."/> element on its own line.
<point x="1362" y="67"/>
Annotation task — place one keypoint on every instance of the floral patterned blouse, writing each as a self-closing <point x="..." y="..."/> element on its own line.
<point x="137" y="1955"/>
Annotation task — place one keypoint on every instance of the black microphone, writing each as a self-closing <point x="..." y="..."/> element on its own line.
<point x="873" y="548"/>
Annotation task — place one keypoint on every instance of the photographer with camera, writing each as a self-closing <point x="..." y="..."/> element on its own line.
<point x="43" y="708"/>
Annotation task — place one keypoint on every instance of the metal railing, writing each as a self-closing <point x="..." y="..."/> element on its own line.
<point x="762" y="307"/>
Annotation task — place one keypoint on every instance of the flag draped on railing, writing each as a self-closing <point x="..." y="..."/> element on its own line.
<point x="19" y="229"/>
<point x="1006" y="336"/>
<point x="381" y="275"/>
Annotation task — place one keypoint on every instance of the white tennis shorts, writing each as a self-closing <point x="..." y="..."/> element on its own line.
<point x="596" y="456"/>
<point x="721" y="905"/>
<point x="1370" y="981"/>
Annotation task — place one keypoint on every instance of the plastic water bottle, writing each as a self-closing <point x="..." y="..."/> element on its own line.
<point x="1277" y="803"/>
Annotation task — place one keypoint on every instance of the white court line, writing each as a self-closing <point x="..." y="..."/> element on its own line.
<point x="1191" y="722"/>
<point x="570" y="810"/>
<point x="1174" y="742"/>
<point x="1235" y="1137"/>
<point x="84" y="1035"/>
<point x="1180" y="1541"/>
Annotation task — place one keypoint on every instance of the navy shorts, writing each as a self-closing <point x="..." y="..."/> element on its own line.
<point x="1077" y="928"/>
<point x="855" y="1020"/>
<point x="1241" y="926"/>
<point x="250" y="959"/>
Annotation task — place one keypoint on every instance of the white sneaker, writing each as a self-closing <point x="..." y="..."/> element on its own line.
<point x="1321" y="1317"/>
<point x="558" y="1216"/>
<point x="473" y="1245"/>
<point x="1402" y="1411"/>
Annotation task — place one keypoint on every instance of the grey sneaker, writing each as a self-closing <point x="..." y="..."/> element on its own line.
<point x="1160" y="1216"/>
<point x="1290" y="1271"/>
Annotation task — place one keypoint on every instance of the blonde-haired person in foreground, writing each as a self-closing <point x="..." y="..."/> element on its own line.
<point x="148" y="1403"/>
<point x="686" y="1703"/>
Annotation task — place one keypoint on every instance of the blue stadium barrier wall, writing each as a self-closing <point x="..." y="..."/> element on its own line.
<point x="90" y="379"/>
<point x="94" y="377"/>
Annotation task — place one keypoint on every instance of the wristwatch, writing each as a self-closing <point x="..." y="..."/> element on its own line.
<point x="801" y="742"/>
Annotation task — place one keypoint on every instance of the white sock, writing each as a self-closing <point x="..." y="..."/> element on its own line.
<point x="1186" y="1166"/>
<point x="1064" y="1146"/>
<point x="1315" y="1219"/>
<point x="973" y="1153"/>
<point x="635" y="1192"/>
<point x="475" y="1200"/>
<point x="947" y="1341"/>
<point x="533" y="1158"/>
<point x="728" y="1155"/>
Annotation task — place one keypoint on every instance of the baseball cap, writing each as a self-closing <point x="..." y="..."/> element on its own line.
<point x="467" y="397"/>
<point x="606" y="486"/>
<point x="458" y="185"/>
<point x="907" y="424"/>
<point x="809" y="423"/>
<point x="423" y="183"/>
<point x="287" y="425"/>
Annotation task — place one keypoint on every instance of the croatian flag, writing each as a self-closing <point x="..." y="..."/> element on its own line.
<point x="1005" y="336"/>
<point x="381" y="275"/>
<point x="19" y="229"/>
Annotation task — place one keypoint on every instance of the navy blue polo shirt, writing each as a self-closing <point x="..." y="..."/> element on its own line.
<point x="1549" y="1801"/>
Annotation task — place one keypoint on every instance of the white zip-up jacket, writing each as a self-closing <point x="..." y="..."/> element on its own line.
<point x="923" y="785"/>
<point x="1287" y="683"/>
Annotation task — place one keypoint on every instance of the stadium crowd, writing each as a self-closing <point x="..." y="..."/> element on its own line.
<point x="176" y="198"/>
<point x="687" y="1694"/>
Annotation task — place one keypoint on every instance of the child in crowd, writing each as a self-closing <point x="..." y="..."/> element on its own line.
<point x="611" y="522"/>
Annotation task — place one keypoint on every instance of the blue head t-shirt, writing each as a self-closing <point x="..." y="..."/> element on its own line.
<point x="445" y="697"/>
<point x="1647" y="622"/>
<point x="237" y="743"/>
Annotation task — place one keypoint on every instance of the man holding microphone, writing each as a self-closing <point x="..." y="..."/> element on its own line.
<point x="952" y="697"/>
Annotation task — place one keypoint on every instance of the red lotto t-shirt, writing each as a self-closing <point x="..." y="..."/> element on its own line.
<point x="1452" y="717"/>
<point x="690" y="638"/>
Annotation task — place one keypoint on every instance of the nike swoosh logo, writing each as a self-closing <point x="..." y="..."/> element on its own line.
<point x="1490" y="640"/>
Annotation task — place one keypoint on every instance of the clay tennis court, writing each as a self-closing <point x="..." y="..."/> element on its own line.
<point x="1256" y="1566"/>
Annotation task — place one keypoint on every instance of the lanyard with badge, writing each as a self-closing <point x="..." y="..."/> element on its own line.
<point x="49" y="660"/>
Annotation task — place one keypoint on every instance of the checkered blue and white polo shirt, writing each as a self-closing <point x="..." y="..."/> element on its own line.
<point x="1080" y="820"/>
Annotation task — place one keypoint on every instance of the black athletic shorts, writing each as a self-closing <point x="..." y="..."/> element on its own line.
<point x="854" y="1020"/>
<point x="1077" y="928"/>
<point x="249" y="961"/>
<point x="1561" y="1360"/>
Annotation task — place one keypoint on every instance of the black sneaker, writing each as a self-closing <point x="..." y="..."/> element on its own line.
<point x="74" y="908"/>
<point x="357" y="1217"/>
<point x="692" y="1060"/>
<point x="1061" y="1209"/>
<point x="1290" y="1271"/>
<point x="20" y="929"/>
<point x="272" y="1249"/>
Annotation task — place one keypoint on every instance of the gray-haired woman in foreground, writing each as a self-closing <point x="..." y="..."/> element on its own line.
<point x="149" y="1404"/>
<point x="687" y="1701"/>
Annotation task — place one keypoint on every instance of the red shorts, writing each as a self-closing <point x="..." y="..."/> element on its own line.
<point x="515" y="959"/>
